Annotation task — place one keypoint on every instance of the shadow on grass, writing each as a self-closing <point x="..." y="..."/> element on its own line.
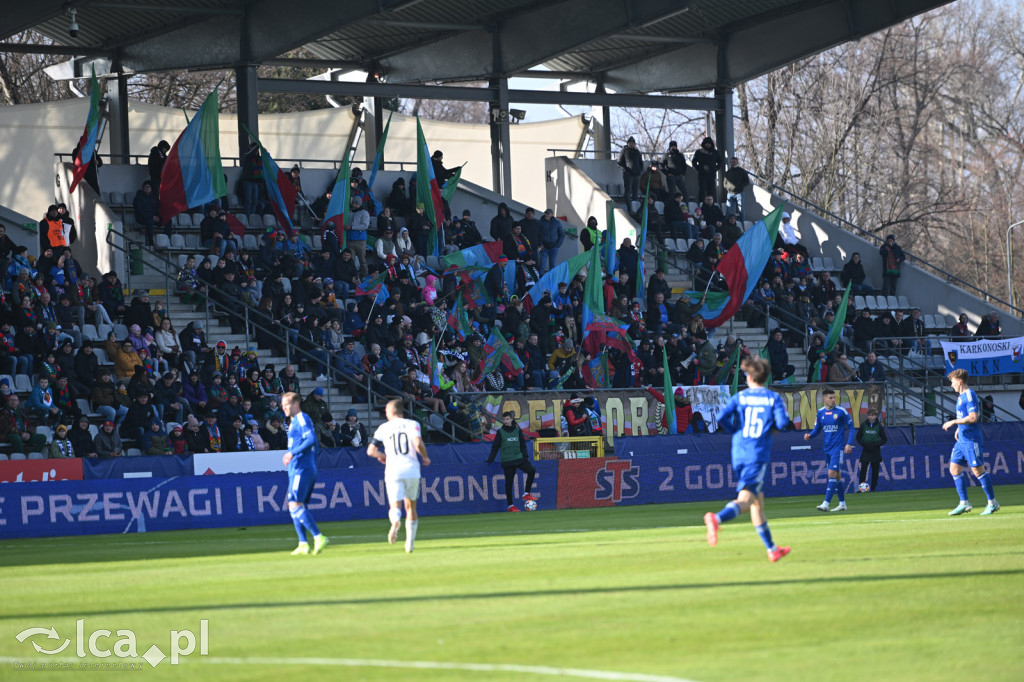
<point x="625" y="589"/>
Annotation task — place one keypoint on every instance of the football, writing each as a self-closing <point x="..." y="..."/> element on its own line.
<point x="530" y="505"/>
<point x="863" y="488"/>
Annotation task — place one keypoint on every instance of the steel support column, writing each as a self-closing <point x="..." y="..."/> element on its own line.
<point x="117" y="113"/>
<point x="248" y="113"/>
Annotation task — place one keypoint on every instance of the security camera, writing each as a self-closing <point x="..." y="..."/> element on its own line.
<point x="73" y="26"/>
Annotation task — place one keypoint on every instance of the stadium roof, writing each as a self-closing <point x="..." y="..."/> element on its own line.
<point x="629" y="46"/>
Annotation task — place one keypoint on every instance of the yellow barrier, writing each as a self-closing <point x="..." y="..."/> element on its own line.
<point x="581" y="447"/>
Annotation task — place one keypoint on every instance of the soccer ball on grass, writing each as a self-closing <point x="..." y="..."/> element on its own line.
<point x="530" y="505"/>
<point x="863" y="488"/>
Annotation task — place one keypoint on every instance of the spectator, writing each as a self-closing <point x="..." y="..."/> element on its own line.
<point x="892" y="258"/>
<point x="111" y="293"/>
<point x="147" y="210"/>
<point x="853" y="272"/>
<point x="107" y="442"/>
<point x="210" y="437"/>
<point x="707" y="162"/>
<point x="81" y="438"/>
<point x="870" y="370"/>
<point x="252" y="180"/>
<point x="960" y="332"/>
<point x="274" y="435"/>
<point x="864" y="330"/>
<point x="357" y="234"/>
<point x="736" y="182"/>
<point x="778" y="356"/>
<point x="352" y="433"/>
<point x="989" y="328"/>
<point x="841" y="371"/>
<point x="712" y="216"/>
<point x="590" y="236"/>
<point x="323" y="423"/>
<point x="632" y="164"/>
<point x="154" y="440"/>
<point x="157" y="158"/>
<point x="138" y="418"/>
<point x="674" y="165"/>
<point x="16" y="429"/>
<point x="654" y="180"/>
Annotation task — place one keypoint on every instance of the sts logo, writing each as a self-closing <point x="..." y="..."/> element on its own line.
<point x="617" y="480"/>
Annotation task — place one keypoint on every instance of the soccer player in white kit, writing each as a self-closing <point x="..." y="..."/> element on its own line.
<point x="398" y="444"/>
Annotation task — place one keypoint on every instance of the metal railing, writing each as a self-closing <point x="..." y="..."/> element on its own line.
<point x="927" y="266"/>
<point x="375" y="389"/>
<point x="234" y="162"/>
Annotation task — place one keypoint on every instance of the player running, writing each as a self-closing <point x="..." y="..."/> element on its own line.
<point x="396" y="443"/>
<point x="837" y="426"/>
<point x="301" y="461"/>
<point x="967" y="449"/>
<point x="750" y="416"/>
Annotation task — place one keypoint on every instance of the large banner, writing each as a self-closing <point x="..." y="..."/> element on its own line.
<point x="658" y="473"/>
<point x="985" y="358"/>
<point x="803" y="401"/>
<point x="624" y="412"/>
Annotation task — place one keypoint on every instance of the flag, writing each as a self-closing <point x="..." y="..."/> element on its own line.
<point x="279" y="186"/>
<point x="499" y="353"/>
<point x="458" y="320"/>
<point x="192" y="174"/>
<point x="452" y="184"/>
<point x="372" y="284"/>
<point x="563" y="272"/>
<point x="435" y="370"/>
<point x="641" y="286"/>
<point x="741" y="266"/>
<point x="427" y="191"/>
<point x="377" y="160"/>
<point x="763" y="353"/>
<point x="611" y="244"/>
<point x="484" y="255"/>
<point x="595" y="372"/>
<point x="234" y="224"/>
<point x="836" y="330"/>
<point x="603" y="323"/>
<point x="734" y="360"/>
<point x="593" y="296"/>
<point x="670" y="398"/>
<point x="382" y="295"/>
<point x="87" y="143"/>
<point x="337" y="207"/>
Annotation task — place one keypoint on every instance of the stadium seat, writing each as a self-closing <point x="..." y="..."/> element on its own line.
<point x="183" y="220"/>
<point x="121" y="331"/>
<point x="89" y="333"/>
<point x="182" y="258"/>
<point x="634" y="206"/>
<point x="859" y="303"/>
<point x="213" y="259"/>
<point x="22" y="383"/>
<point x="692" y="205"/>
<point x="659" y="206"/>
<point x="177" y="241"/>
<point x="682" y="245"/>
<point x="929" y="321"/>
<point x="951" y="320"/>
<point x="892" y="302"/>
<point x="94" y="430"/>
<point x="316" y="245"/>
<point x="254" y="219"/>
<point x="250" y="243"/>
<point x="3" y="457"/>
<point x="36" y="455"/>
<point x="829" y="265"/>
<point x="162" y="241"/>
<point x="9" y="379"/>
<point x="133" y="452"/>
<point x="103" y="330"/>
<point x="871" y="302"/>
<point x="232" y="201"/>
<point x="817" y="265"/>
<point x="45" y="431"/>
<point x="192" y="241"/>
<point x="84" y="408"/>
<point x="101" y="356"/>
<point x="115" y="199"/>
<point x="904" y="303"/>
<point x="18" y="455"/>
<point x="269" y="220"/>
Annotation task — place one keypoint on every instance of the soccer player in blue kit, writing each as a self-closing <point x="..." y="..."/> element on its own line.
<point x="967" y="449"/>
<point x="837" y="426"/>
<point x="750" y="416"/>
<point x="301" y="461"/>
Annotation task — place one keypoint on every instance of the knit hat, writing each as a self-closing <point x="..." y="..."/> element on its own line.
<point x="352" y="413"/>
<point x="318" y="391"/>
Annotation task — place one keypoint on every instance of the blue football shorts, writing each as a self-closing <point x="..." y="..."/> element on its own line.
<point x="966" y="453"/>
<point x="300" y="486"/>
<point x="750" y="476"/>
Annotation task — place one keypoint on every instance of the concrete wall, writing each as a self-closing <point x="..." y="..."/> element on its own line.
<point x="573" y="192"/>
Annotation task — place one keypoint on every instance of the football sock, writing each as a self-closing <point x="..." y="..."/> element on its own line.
<point x="298" y="525"/>
<point x="729" y="512"/>
<point x="394" y="515"/>
<point x="307" y="520"/>
<point x="986" y="485"/>
<point x="839" y="490"/>
<point x="410" y="529"/>
<point x="960" y="481"/>
<point x="766" y="536"/>
<point x="830" y="490"/>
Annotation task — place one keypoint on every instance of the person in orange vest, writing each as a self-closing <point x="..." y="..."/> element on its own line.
<point x="53" y="231"/>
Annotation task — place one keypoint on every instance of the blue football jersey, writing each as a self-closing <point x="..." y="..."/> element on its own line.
<point x="750" y="416"/>
<point x="302" y="444"/>
<point x="837" y="426"/>
<point x="965" y="404"/>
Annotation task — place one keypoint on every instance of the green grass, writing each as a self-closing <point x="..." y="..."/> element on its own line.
<point x="891" y="590"/>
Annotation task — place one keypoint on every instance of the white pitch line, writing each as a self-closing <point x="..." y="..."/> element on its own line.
<point x="445" y="665"/>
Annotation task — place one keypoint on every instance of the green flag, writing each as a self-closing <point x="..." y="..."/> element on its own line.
<point x="612" y="256"/>
<point x="593" y="295"/>
<point x="641" y="242"/>
<point x="836" y="330"/>
<point x="670" y="398"/>
<point x="763" y="353"/>
<point x="734" y="362"/>
<point x="452" y="184"/>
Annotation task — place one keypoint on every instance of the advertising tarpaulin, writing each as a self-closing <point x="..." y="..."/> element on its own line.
<point x="985" y="358"/>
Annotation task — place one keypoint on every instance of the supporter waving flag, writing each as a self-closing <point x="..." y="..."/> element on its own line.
<point x="836" y="330"/>
<point x="483" y="255"/>
<point x="563" y="272"/>
<point x="741" y="267"/>
<point x="192" y="175"/>
<point x="87" y="143"/>
<point x="500" y="354"/>
<point x="279" y="187"/>
<point x="372" y="284"/>
<point x="378" y="160"/>
<point x="641" y="276"/>
<point x="427" y="190"/>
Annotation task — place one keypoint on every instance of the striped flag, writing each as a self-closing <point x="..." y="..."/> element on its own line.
<point x="836" y="330"/>
<point x="378" y="160"/>
<point x="427" y="191"/>
<point x="337" y="207"/>
<point x="279" y="186"/>
<point x="192" y="174"/>
<point x="87" y="143"/>
<point x="670" y="398"/>
<point x="641" y="285"/>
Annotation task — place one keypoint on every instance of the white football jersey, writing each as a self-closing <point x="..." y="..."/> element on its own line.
<point x="402" y="459"/>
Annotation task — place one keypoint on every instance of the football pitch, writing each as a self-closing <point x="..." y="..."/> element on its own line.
<point x="892" y="589"/>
